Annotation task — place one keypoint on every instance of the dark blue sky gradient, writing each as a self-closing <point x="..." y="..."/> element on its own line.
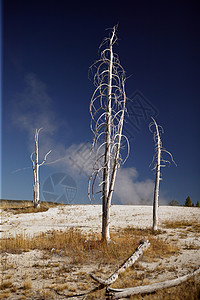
<point x="57" y="41"/>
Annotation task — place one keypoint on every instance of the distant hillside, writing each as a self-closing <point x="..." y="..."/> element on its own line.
<point x="24" y="202"/>
<point x="15" y="201"/>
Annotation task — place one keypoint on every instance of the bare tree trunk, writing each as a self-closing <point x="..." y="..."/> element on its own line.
<point x="123" y="293"/>
<point x="127" y="264"/>
<point x="37" y="185"/>
<point x="36" y="165"/>
<point x="158" y="157"/>
<point x="107" y="108"/>
<point x="107" y="162"/>
<point x="118" y="144"/>
<point x="157" y="181"/>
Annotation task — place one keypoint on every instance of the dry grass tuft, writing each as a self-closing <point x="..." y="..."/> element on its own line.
<point x="190" y="225"/>
<point x="5" y="285"/>
<point x="26" y="210"/>
<point x="21" y="207"/>
<point x="27" y="285"/>
<point x="4" y="295"/>
<point x="142" y="231"/>
<point x="46" y="295"/>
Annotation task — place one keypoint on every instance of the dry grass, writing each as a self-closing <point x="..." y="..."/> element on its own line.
<point x="19" y="206"/>
<point x="4" y="295"/>
<point x="14" y="203"/>
<point x="67" y="254"/>
<point x="26" y="210"/>
<point x="192" y="226"/>
<point x="27" y="285"/>
<point x="82" y="248"/>
<point x="5" y="284"/>
<point x="190" y="290"/>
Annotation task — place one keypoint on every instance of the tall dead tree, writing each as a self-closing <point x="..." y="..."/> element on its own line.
<point x="107" y="108"/>
<point x="159" y="162"/>
<point x="36" y="165"/>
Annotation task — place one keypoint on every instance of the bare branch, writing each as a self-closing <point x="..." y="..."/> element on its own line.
<point x="45" y="158"/>
<point x="31" y="157"/>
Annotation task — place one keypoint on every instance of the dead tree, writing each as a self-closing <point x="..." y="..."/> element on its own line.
<point x="36" y="165"/>
<point x="159" y="162"/>
<point x="107" y="108"/>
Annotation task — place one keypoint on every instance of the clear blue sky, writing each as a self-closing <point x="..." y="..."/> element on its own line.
<point x="47" y="49"/>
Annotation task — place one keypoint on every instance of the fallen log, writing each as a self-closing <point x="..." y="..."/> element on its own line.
<point x="123" y="293"/>
<point x="144" y="244"/>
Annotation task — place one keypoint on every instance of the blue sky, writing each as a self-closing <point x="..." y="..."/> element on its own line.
<point x="47" y="49"/>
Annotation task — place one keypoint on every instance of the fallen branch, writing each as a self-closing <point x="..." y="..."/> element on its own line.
<point x="144" y="244"/>
<point x="121" y="293"/>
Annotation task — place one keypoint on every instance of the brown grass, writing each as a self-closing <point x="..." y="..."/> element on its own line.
<point x="20" y="207"/>
<point x="193" y="226"/>
<point x="26" y="285"/>
<point x="4" y="295"/>
<point x="82" y="248"/>
<point x="5" y="284"/>
<point x="190" y="290"/>
<point x="26" y="210"/>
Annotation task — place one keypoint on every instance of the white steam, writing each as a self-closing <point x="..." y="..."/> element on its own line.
<point x="130" y="191"/>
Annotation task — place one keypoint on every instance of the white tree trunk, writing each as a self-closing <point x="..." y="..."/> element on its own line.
<point x="123" y="293"/>
<point x="157" y="181"/>
<point x="158" y="156"/>
<point x="107" y="163"/>
<point x="116" y="159"/>
<point x="36" y="165"/>
<point x="37" y="185"/>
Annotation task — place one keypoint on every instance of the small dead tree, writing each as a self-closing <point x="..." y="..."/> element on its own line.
<point x="36" y="165"/>
<point x="159" y="162"/>
<point x="107" y="108"/>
